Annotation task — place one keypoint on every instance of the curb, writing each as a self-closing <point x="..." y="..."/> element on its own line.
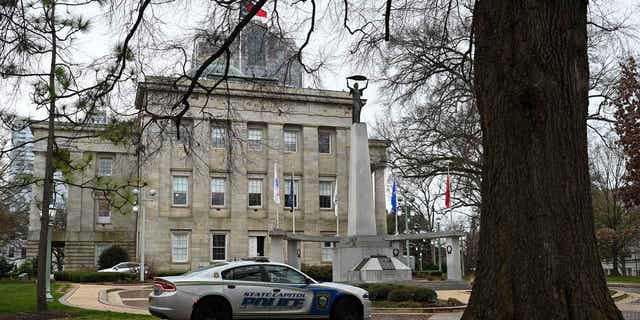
<point x="418" y="310"/>
<point x="63" y="299"/>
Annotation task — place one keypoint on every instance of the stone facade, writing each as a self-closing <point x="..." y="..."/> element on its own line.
<point x="185" y="232"/>
<point x="273" y="110"/>
<point x="80" y="231"/>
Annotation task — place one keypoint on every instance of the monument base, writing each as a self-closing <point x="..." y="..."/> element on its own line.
<point x="367" y="259"/>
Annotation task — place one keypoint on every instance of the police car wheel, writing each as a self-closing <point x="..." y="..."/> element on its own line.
<point x="347" y="309"/>
<point x="211" y="309"/>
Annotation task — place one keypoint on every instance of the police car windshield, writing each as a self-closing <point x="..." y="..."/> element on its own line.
<point x="213" y="265"/>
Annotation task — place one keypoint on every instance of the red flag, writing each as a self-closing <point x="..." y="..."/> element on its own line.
<point x="447" y="193"/>
<point x="261" y="13"/>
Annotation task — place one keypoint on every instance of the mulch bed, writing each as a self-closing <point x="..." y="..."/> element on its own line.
<point x="39" y="316"/>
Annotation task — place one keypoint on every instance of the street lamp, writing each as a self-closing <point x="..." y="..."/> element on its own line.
<point x="47" y="283"/>
<point x="142" y="204"/>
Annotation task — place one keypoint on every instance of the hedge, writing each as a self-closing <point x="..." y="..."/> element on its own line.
<point x="401" y="294"/>
<point x="396" y="292"/>
<point x="320" y="273"/>
<point x="92" y="276"/>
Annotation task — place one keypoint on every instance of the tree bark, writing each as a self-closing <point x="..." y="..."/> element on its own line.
<point x="47" y="189"/>
<point x="538" y="256"/>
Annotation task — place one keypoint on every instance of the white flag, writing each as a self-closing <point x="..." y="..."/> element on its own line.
<point x="335" y="198"/>
<point x="276" y="184"/>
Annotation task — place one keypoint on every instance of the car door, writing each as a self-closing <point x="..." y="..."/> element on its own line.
<point x="290" y="289"/>
<point x="246" y="290"/>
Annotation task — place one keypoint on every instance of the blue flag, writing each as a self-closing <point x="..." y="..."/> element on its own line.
<point x="291" y="202"/>
<point x="394" y="198"/>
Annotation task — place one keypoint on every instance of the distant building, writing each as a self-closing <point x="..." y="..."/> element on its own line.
<point x="21" y="163"/>
<point x="259" y="54"/>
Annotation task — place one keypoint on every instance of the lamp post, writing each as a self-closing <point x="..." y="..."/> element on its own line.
<point x="52" y="215"/>
<point x="142" y="204"/>
<point x="439" y="253"/>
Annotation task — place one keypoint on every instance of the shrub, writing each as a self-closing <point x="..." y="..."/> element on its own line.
<point x="29" y="267"/>
<point x="424" y="295"/>
<point x="380" y="292"/>
<point x="5" y="267"/>
<point x="112" y="256"/>
<point x="401" y="294"/>
<point x="320" y="273"/>
<point x="93" y="276"/>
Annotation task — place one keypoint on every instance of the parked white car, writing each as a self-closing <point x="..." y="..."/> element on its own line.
<point x="125" y="267"/>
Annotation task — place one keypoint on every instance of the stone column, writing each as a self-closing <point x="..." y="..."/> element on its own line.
<point x="380" y="201"/>
<point x="454" y="270"/>
<point x="362" y="221"/>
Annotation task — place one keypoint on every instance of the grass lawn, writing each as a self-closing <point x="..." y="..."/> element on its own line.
<point x="624" y="279"/>
<point x="20" y="297"/>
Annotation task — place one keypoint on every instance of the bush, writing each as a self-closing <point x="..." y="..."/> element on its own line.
<point x="424" y="295"/>
<point x="320" y="273"/>
<point x="5" y="267"/>
<point x="401" y="294"/>
<point x="29" y="267"/>
<point x="380" y="292"/>
<point x="112" y="256"/>
<point x="93" y="276"/>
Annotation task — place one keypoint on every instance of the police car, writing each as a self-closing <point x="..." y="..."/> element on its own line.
<point x="255" y="290"/>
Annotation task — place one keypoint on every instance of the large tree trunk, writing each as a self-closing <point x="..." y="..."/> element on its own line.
<point x="538" y="257"/>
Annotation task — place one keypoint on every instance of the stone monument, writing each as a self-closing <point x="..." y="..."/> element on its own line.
<point x="364" y="255"/>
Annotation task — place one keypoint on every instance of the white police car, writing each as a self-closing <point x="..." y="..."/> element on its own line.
<point x="255" y="290"/>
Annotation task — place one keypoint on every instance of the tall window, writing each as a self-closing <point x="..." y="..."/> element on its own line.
<point x="327" y="253"/>
<point x="186" y="132"/>
<point x="218" y="246"/>
<point x="12" y="252"/>
<point x="180" y="190"/>
<point x="218" y="186"/>
<point x="290" y="141"/>
<point x="255" y="139"/>
<point x="179" y="246"/>
<point x="104" y="211"/>
<point x="218" y="137"/>
<point x="324" y="142"/>
<point x="326" y="194"/>
<point x="105" y="167"/>
<point x="256" y="246"/>
<point x="288" y="193"/>
<point x="255" y="193"/>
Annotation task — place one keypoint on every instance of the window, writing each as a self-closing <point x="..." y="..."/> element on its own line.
<point x="12" y="252"/>
<point x="99" y="116"/>
<point x="218" y="186"/>
<point x="287" y="193"/>
<point x="248" y="273"/>
<point x="185" y="132"/>
<point x="255" y="192"/>
<point x="105" y="167"/>
<point x="218" y="137"/>
<point x="218" y="246"/>
<point x="23" y="252"/>
<point x="256" y="50"/>
<point x="280" y="274"/>
<point x="290" y="141"/>
<point x="255" y="139"/>
<point x="326" y="194"/>
<point x="256" y="246"/>
<point x="324" y="142"/>
<point x="180" y="246"/>
<point x="180" y="190"/>
<point x="104" y="211"/>
<point x="327" y="252"/>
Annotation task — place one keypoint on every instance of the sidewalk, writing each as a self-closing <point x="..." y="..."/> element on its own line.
<point x="88" y="296"/>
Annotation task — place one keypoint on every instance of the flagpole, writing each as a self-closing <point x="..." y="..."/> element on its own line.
<point x="293" y="201"/>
